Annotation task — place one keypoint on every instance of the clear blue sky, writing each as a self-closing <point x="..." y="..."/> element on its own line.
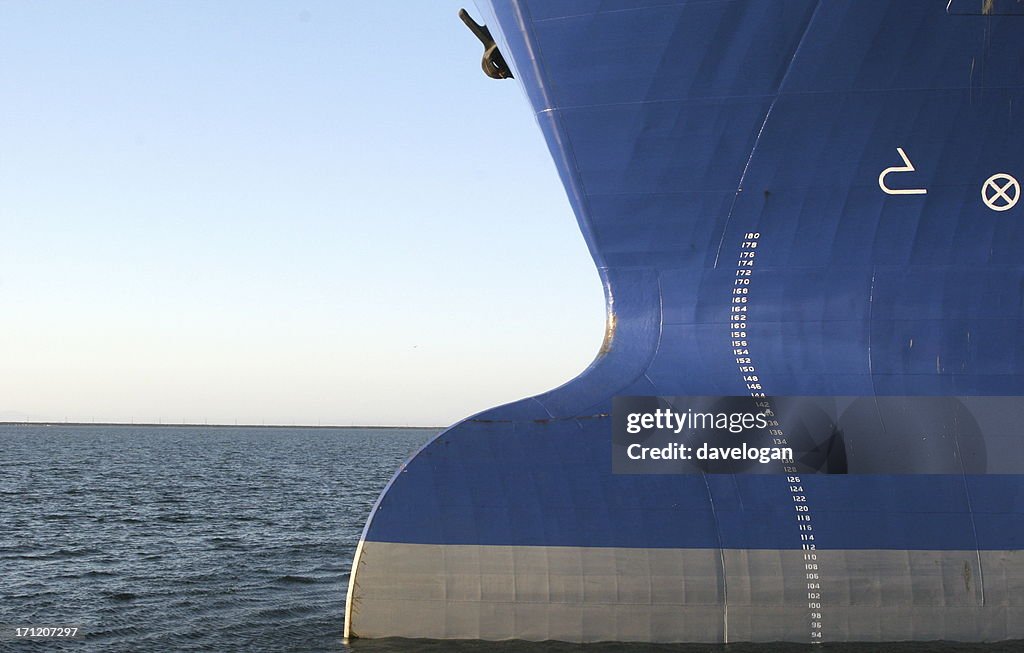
<point x="275" y="212"/>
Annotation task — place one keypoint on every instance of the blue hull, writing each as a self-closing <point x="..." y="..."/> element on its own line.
<point x="682" y="130"/>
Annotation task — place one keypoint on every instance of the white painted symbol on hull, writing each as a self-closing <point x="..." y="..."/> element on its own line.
<point x="906" y="167"/>
<point x="1000" y="192"/>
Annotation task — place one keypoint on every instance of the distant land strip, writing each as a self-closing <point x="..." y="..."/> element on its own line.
<point x="220" y="426"/>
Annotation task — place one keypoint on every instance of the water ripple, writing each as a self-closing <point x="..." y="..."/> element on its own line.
<point x="217" y="539"/>
<point x="172" y="538"/>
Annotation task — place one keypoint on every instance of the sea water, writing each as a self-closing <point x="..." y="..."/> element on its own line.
<point x="213" y="539"/>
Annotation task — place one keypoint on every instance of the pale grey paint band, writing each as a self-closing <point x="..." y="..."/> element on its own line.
<point x="582" y="594"/>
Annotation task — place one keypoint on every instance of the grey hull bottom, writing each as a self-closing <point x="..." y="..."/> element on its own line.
<point x="580" y="594"/>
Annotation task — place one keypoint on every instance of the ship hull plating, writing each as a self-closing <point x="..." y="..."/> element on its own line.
<point x="594" y="594"/>
<point x="795" y="198"/>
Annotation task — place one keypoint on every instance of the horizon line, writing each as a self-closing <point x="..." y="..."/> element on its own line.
<point x="197" y="424"/>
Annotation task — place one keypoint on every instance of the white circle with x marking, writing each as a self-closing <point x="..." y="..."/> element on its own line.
<point x="1000" y="192"/>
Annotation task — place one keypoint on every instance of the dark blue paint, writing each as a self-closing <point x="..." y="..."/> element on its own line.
<point x="677" y="127"/>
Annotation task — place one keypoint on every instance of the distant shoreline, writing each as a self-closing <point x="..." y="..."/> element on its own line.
<point x="222" y="426"/>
